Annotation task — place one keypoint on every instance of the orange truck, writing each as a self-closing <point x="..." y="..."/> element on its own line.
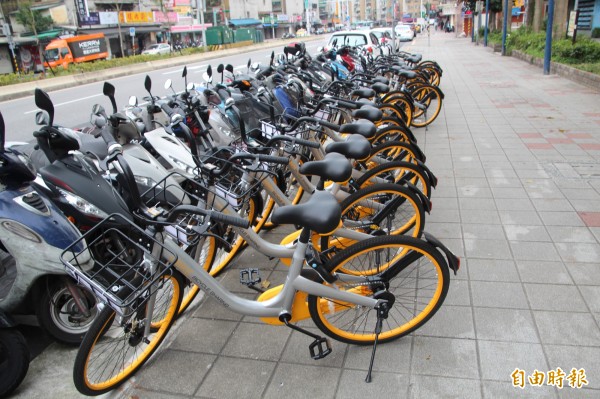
<point x="80" y="48"/>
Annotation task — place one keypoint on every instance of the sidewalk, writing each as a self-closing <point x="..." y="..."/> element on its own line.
<point x="517" y="155"/>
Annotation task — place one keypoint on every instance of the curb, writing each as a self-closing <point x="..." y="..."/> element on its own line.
<point x="20" y="90"/>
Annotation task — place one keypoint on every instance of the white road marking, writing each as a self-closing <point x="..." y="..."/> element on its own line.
<point x="181" y="70"/>
<point x="67" y="102"/>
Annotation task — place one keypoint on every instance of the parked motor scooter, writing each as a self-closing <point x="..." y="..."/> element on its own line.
<point x="33" y="233"/>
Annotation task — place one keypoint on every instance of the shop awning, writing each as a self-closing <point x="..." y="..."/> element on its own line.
<point x="43" y="36"/>
<point x="245" y="22"/>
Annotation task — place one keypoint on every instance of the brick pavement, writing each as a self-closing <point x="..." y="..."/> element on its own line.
<point x="517" y="156"/>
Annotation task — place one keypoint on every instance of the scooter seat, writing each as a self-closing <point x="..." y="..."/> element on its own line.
<point x="334" y="167"/>
<point x="362" y="127"/>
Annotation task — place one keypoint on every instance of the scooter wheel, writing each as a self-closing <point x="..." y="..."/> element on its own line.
<point x="14" y="360"/>
<point x="59" y="315"/>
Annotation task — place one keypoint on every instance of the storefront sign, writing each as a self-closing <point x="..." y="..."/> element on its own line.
<point x="109" y="18"/>
<point x="136" y="17"/>
<point x="283" y="18"/>
<point x="92" y="19"/>
<point x="82" y="8"/>
<point x="163" y="18"/>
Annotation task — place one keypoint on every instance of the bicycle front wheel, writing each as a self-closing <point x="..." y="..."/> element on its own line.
<point x="418" y="279"/>
<point x="114" y="348"/>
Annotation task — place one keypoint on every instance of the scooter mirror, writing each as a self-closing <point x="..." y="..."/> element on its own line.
<point x="148" y="83"/>
<point x="207" y="78"/>
<point x="168" y="84"/>
<point x="249" y="63"/>
<point x="133" y="101"/>
<point x="42" y="101"/>
<point x="190" y="86"/>
<point x="281" y="58"/>
<point x="109" y="91"/>
<point x="320" y="49"/>
<point x="272" y="57"/>
<point x="184" y="73"/>
<point x="229" y="68"/>
<point x="254" y="67"/>
<point x="220" y="68"/>
<point x="2" y="133"/>
<point x="209" y="71"/>
<point x="229" y="102"/>
<point x="41" y="118"/>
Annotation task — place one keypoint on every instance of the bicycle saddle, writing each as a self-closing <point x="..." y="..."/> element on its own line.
<point x="364" y="101"/>
<point x="362" y="126"/>
<point x="381" y="79"/>
<point x="355" y="147"/>
<point x="334" y="167"/>
<point x="405" y="73"/>
<point x="415" y="59"/>
<point x="368" y="112"/>
<point x="363" y="93"/>
<point x="321" y="213"/>
<point x="380" y="88"/>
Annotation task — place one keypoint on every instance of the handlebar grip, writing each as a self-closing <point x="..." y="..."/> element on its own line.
<point x="330" y="125"/>
<point x="346" y="104"/>
<point x="273" y="159"/>
<point x="168" y="110"/>
<point x="305" y="143"/>
<point x="108" y="137"/>
<point x="227" y="219"/>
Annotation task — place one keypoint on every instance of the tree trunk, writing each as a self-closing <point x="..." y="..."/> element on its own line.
<point x="538" y="15"/>
<point x="530" y="11"/>
<point x="561" y="16"/>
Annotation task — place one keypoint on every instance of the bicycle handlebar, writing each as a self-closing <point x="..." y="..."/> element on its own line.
<point x="213" y="215"/>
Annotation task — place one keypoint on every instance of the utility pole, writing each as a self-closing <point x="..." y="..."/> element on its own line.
<point x="200" y="8"/>
<point x="504" y="27"/>
<point x="548" y="49"/>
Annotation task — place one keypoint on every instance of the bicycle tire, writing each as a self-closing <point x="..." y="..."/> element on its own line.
<point x="91" y="374"/>
<point x="431" y="97"/>
<point x="408" y="216"/>
<point x="394" y="151"/>
<point x="396" y="172"/>
<point x="355" y="324"/>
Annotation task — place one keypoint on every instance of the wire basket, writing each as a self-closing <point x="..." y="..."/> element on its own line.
<point x="128" y="264"/>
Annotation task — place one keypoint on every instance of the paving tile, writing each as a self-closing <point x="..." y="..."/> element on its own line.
<point x="440" y="202"/>
<point x="554" y="297"/>
<point x="586" y="205"/>
<point x="301" y="381"/>
<point x="490" y="249"/>
<point x="498" y="295"/>
<point x="579" y="252"/>
<point x="509" y="192"/>
<point x="579" y="357"/>
<point x="584" y="273"/>
<point x="582" y="194"/>
<point x="560" y="218"/>
<point x="477" y="204"/>
<point x="571" y="234"/>
<point x="591" y="294"/>
<point x="444" y="216"/>
<point x="203" y="335"/>
<point x="178" y="372"/>
<point x="474" y="192"/>
<point x="590" y="219"/>
<point x="480" y="216"/>
<point x="514" y="204"/>
<point x="531" y="250"/>
<point x="236" y="378"/>
<point x="392" y="356"/>
<point x="552" y="204"/>
<point x="520" y="218"/>
<point x="383" y="385"/>
<point x="492" y="270"/>
<point x="511" y="325"/>
<point x="445" y="357"/>
<point x="451" y="322"/>
<point x="426" y="387"/>
<point x="497" y="389"/>
<point x="499" y="359"/>
<point x="517" y="232"/>
<point x="257" y="341"/>
<point x="444" y="230"/>
<point x="535" y="271"/>
<point x="483" y="231"/>
<point x="567" y="328"/>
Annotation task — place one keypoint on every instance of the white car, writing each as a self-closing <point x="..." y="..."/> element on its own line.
<point x="404" y="32"/>
<point x="355" y="38"/>
<point x="384" y="35"/>
<point x="159" y="48"/>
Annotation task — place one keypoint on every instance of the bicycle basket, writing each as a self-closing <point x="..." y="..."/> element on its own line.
<point x="126" y="267"/>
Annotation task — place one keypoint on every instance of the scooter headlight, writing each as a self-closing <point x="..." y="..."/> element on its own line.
<point x="188" y="169"/>
<point x="82" y="205"/>
<point x="145" y="181"/>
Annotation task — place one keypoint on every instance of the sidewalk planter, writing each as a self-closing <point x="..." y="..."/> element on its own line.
<point x="583" y="77"/>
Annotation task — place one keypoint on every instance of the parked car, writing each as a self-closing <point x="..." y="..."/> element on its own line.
<point x="365" y="39"/>
<point x="404" y="32"/>
<point x="158" y="48"/>
<point x="384" y="35"/>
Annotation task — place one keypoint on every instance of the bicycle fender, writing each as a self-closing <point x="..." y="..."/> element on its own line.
<point x="453" y="260"/>
<point x="424" y="200"/>
<point x="430" y="176"/>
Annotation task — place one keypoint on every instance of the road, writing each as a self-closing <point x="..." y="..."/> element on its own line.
<point x="73" y="105"/>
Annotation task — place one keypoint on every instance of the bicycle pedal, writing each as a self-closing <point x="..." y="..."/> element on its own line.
<point x="250" y="277"/>
<point x="319" y="348"/>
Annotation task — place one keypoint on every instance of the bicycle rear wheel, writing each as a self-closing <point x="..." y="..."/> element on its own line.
<point x="115" y="348"/>
<point x="416" y="281"/>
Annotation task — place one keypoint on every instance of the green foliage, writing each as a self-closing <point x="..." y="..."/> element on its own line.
<point x="583" y="51"/>
<point x="33" y="20"/>
<point x="527" y="40"/>
<point x="596" y="33"/>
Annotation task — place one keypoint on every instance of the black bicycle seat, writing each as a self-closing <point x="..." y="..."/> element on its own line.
<point x="380" y="88"/>
<point x="368" y="112"/>
<point x="381" y="79"/>
<point x="363" y="93"/>
<point x="362" y="126"/>
<point x="321" y="213"/>
<point x="355" y="147"/>
<point x="334" y="167"/>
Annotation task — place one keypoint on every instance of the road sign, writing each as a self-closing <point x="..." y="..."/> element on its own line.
<point x="132" y="31"/>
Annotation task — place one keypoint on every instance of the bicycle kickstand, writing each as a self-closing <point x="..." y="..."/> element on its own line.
<point x="382" y="313"/>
